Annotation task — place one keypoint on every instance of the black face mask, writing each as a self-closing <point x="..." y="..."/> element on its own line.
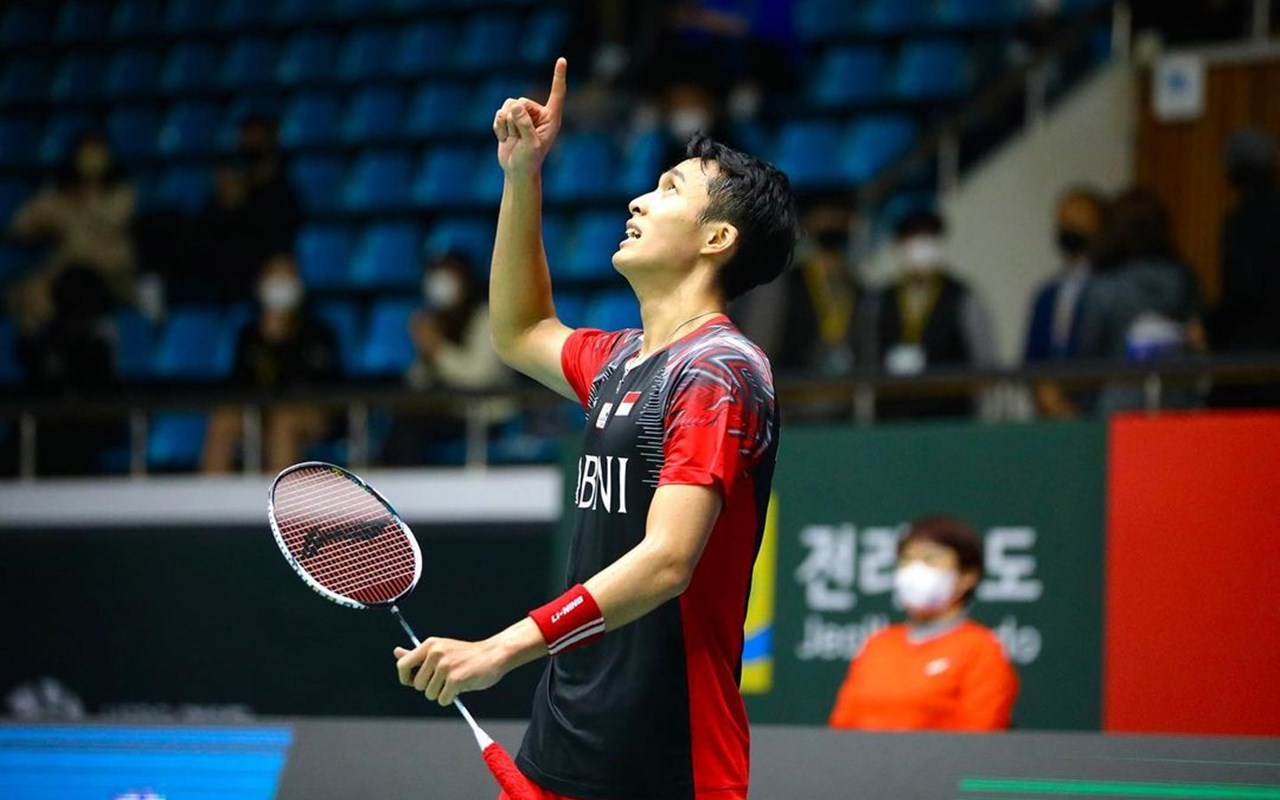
<point x="832" y="239"/>
<point x="1072" y="243"/>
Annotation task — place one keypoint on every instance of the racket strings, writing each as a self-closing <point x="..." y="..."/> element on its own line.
<point x="343" y="536"/>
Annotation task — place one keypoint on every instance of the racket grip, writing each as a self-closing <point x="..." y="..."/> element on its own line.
<point x="511" y="780"/>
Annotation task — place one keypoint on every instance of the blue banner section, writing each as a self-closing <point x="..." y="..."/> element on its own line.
<point x="141" y="763"/>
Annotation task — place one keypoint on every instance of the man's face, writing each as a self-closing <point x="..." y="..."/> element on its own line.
<point x="664" y="231"/>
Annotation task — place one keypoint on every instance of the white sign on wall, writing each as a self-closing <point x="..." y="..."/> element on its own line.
<point x="1178" y="88"/>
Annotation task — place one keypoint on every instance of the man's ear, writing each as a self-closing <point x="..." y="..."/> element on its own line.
<point x="720" y="238"/>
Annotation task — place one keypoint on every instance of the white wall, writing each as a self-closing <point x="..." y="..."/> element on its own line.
<point x="1001" y="219"/>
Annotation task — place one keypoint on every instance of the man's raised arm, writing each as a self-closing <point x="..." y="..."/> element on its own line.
<point x="527" y="335"/>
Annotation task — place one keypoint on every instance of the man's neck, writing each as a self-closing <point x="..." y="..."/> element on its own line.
<point x="671" y="314"/>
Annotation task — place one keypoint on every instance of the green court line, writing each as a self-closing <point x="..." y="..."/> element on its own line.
<point x="1192" y="791"/>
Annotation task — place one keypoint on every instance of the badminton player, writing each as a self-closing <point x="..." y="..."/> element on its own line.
<point x="640" y="697"/>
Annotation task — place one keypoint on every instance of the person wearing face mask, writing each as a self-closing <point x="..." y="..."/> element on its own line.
<point x="939" y="670"/>
<point x="926" y="318"/>
<point x="285" y="348"/>
<point x="1051" y="330"/>
<point x="451" y="351"/>
<point x="806" y="320"/>
<point x="85" y="216"/>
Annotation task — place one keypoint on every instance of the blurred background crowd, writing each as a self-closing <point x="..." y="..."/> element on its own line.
<point x="285" y="199"/>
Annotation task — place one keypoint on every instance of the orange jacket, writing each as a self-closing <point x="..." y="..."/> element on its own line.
<point x="957" y="681"/>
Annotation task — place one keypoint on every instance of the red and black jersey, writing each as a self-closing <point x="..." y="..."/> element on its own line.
<point x="653" y="709"/>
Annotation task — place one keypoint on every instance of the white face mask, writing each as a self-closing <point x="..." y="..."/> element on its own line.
<point x="685" y="122"/>
<point x="281" y="293"/>
<point x="442" y="289"/>
<point x="922" y="588"/>
<point x="921" y="253"/>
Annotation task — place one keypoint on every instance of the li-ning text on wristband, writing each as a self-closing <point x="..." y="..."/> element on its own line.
<point x="569" y="621"/>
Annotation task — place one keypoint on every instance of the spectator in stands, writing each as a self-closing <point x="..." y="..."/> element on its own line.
<point x="1248" y="319"/>
<point x="939" y="670"/>
<point x="689" y="107"/>
<point x="284" y="349"/>
<point x="806" y="321"/>
<point x="254" y="212"/>
<point x="85" y="217"/>
<point x="451" y="351"/>
<point x="927" y="318"/>
<point x="1055" y="308"/>
<point x="1143" y="302"/>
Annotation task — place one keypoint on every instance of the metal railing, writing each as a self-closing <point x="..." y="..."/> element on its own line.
<point x="855" y="398"/>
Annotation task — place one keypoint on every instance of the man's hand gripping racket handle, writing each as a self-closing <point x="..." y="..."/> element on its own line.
<point x="496" y="758"/>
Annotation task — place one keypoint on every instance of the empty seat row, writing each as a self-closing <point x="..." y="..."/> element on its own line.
<point x="28" y="22"/>
<point x="821" y="154"/>
<point x="256" y="61"/>
<point x="817" y="20"/>
<point x="923" y="70"/>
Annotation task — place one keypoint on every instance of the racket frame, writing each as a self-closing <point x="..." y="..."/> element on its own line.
<point x="306" y="576"/>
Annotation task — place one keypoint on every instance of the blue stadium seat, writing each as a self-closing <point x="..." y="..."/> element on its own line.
<point x="643" y="164"/>
<point x="175" y="440"/>
<point x="81" y="21"/>
<point x="307" y="58"/>
<point x="190" y="16"/>
<point x="875" y="142"/>
<point x="60" y="135"/>
<point x="557" y="240"/>
<point x="388" y="256"/>
<point x="543" y="36"/>
<point x="310" y="118"/>
<point x="423" y="48"/>
<point x="324" y="255"/>
<point x="24" y="79"/>
<point x="901" y="203"/>
<point x="236" y="15"/>
<point x="387" y="349"/>
<point x="12" y="194"/>
<point x="26" y="23"/>
<point x="571" y="308"/>
<point x="291" y="14"/>
<point x="372" y="114"/>
<point x="135" y="342"/>
<point x="446" y="176"/>
<point x="898" y="16"/>
<point x="190" y="128"/>
<point x="580" y="167"/>
<point x="367" y="53"/>
<point x="184" y="188"/>
<point x="850" y="75"/>
<point x="379" y="181"/>
<point x="190" y="66"/>
<point x="250" y="61"/>
<point x="594" y="244"/>
<point x="343" y="316"/>
<point x="429" y="113"/>
<point x="487" y="182"/>
<point x="10" y="370"/>
<point x="806" y="152"/>
<point x="133" y="73"/>
<point x="15" y="260"/>
<point x="132" y="18"/>
<point x="613" y="311"/>
<point x="318" y="181"/>
<point x="816" y="20"/>
<point x="977" y="13"/>
<point x="476" y="116"/>
<point x="18" y="138"/>
<point x="474" y="237"/>
<point x="79" y="77"/>
<point x="196" y="344"/>
<point x="932" y="70"/>
<point x="487" y="41"/>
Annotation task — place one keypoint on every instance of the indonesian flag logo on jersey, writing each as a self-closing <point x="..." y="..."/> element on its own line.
<point x="628" y="400"/>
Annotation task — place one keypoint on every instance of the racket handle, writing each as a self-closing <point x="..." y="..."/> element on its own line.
<point x="482" y="739"/>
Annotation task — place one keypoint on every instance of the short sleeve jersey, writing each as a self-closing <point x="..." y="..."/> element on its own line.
<point x="653" y="709"/>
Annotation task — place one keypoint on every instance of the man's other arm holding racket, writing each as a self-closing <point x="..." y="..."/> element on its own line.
<point x="528" y="336"/>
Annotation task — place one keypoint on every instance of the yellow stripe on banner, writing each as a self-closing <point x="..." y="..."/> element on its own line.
<point x="757" y="666"/>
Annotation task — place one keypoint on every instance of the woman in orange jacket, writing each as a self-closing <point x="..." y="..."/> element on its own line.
<point x="939" y="670"/>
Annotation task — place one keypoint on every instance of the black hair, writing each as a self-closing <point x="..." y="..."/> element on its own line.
<point x="1135" y="227"/>
<point x="755" y="197"/>
<point x="917" y="222"/>
<point x="953" y="534"/>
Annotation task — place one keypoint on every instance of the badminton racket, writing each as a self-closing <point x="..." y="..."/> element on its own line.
<point x="346" y="542"/>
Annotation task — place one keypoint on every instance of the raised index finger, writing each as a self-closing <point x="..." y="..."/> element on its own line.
<point x="555" y="101"/>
